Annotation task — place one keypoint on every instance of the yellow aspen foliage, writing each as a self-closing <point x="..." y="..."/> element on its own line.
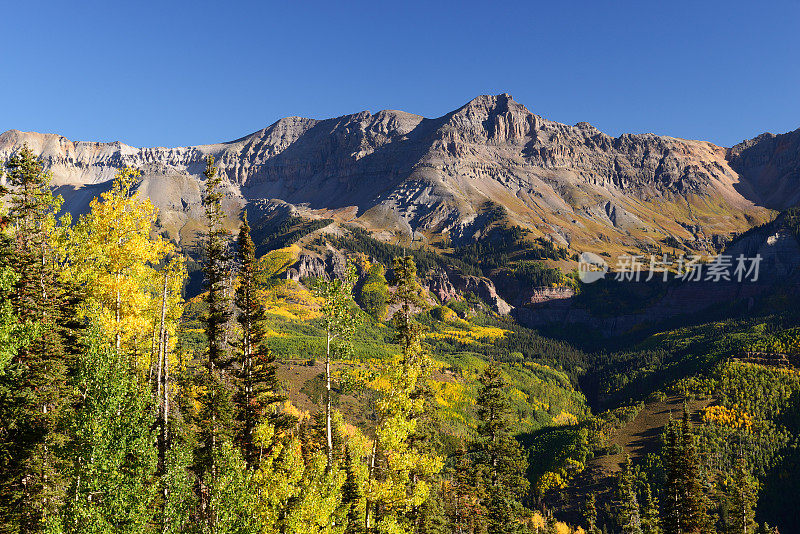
<point x="275" y="262"/>
<point x="403" y="462"/>
<point x="473" y="333"/>
<point x="731" y="417"/>
<point x="565" y="419"/>
<point x="549" y="481"/>
<point x="298" y="494"/>
<point x="536" y="522"/>
<point x="113" y="252"/>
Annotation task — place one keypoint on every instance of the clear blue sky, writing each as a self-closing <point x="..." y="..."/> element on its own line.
<point x="180" y="73"/>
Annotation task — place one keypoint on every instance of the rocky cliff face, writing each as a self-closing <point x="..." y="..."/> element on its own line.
<point x="332" y="265"/>
<point x="771" y="164"/>
<point x="399" y="173"/>
<point x="448" y="286"/>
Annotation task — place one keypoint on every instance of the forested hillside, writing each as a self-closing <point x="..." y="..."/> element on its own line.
<point x="355" y="400"/>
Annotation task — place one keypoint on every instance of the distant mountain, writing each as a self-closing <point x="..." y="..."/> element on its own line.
<point x="399" y="174"/>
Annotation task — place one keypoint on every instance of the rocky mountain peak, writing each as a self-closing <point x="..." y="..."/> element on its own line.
<point x="401" y="174"/>
<point x="493" y="118"/>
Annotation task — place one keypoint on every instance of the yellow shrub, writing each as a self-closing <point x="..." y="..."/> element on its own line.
<point x="537" y="521"/>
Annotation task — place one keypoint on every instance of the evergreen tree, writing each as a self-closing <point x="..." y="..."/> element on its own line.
<point x="685" y="503"/>
<point x="32" y="213"/>
<point x="500" y="462"/>
<point x="651" y="523"/>
<point x="351" y="496"/>
<point x="672" y="461"/>
<point x="465" y="509"/>
<point x="34" y="382"/>
<point x="693" y="514"/>
<point x="711" y="500"/>
<point x="258" y="382"/>
<point x="216" y="270"/>
<point x="590" y="514"/>
<point x="432" y="518"/>
<point x="626" y="504"/>
<point x="742" y="498"/>
<point x="216" y="415"/>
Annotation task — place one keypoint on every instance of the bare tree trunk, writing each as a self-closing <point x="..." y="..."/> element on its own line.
<point x="370" y="474"/>
<point x="117" y="320"/>
<point x="162" y="349"/>
<point x="159" y="370"/>
<point x="163" y="398"/>
<point x="165" y="429"/>
<point x="166" y="391"/>
<point x="328" y="430"/>
<point x="153" y="352"/>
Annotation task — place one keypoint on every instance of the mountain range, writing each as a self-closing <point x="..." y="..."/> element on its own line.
<point x="404" y="177"/>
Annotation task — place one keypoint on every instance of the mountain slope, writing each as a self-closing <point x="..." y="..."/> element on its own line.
<point x="401" y="174"/>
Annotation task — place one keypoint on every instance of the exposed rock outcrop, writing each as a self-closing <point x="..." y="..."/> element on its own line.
<point x="333" y="265"/>
<point x="450" y="285"/>
<point x="440" y="285"/>
<point x="401" y="173"/>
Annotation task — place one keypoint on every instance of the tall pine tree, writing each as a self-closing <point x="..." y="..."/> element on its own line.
<point x="34" y="383"/>
<point x="694" y="516"/>
<point x="671" y="452"/>
<point x="590" y="514"/>
<point x="742" y="498"/>
<point x="684" y="507"/>
<point x="217" y="410"/>
<point x="500" y="462"/>
<point x="651" y="523"/>
<point x="258" y="387"/>
<point x="626" y="503"/>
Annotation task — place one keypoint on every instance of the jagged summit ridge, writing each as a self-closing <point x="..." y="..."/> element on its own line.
<point x="400" y="173"/>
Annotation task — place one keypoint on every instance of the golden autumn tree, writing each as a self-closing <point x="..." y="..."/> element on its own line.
<point x="113" y="252"/>
<point x="400" y="467"/>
